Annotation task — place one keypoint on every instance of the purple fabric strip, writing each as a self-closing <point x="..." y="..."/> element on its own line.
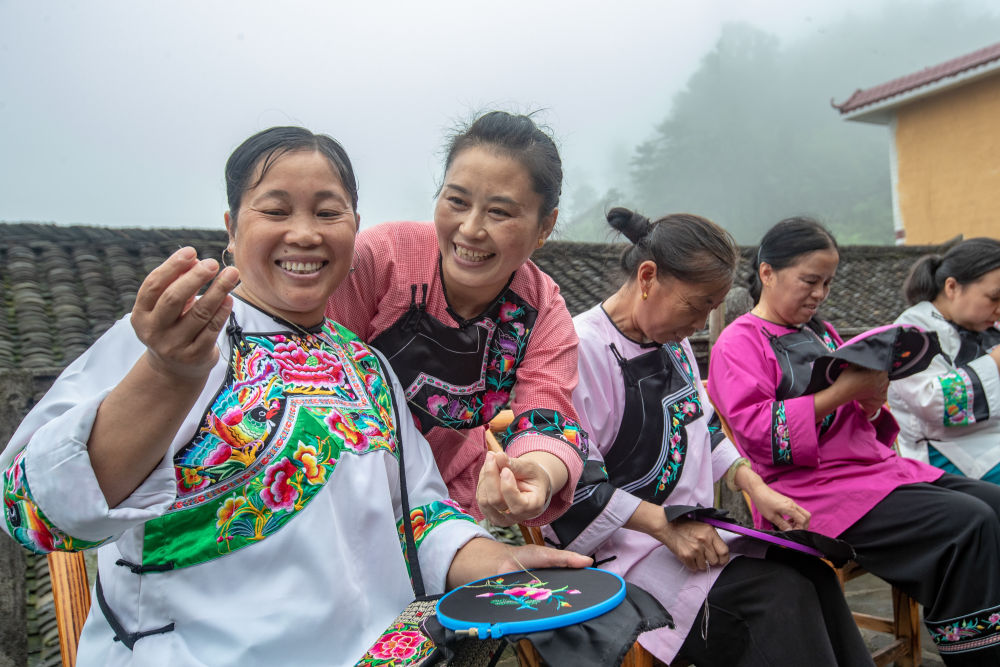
<point x="760" y="535"/>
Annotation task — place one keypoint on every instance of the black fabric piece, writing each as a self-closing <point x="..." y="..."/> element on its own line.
<point x="121" y="635"/>
<point x="835" y="550"/>
<point x="142" y="569"/>
<point x="784" y="609"/>
<point x="419" y="347"/>
<point x="808" y="365"/>
<point x="715" y="432"/>
<point x="980" y="405"/>
<point x="599" y="642"/>
<point x="593" y="493"/>
<point x="974" y="344"/>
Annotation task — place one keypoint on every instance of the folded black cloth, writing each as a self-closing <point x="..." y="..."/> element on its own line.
<point x="603" y="640"/>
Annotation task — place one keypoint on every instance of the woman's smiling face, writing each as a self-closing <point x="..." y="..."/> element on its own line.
<point x="293" y="238"/>
<point x="488" y="224"/>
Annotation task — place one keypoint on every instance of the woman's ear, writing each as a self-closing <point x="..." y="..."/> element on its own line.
<point x="951" y="288"/>
<point x="547" y="224"/>
<point x="646" y="274"/>
<point x="230" y="229"/>
<point x="766" y="274"/>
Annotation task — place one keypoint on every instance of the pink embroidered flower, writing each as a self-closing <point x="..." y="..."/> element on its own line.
<point x="232" y="417"/>
<point x="190" y="479"/>
<point x="535" y="594"/>
<point x="523" y="424"/>
<point x="353" y="438"/>
<point x="435" y="403"/>
<point x="504" y="363"/>
<point x="676" y="455"/>
<point x="398" y="645"/>
<point x="359" y="351"/>
<point x="309" y="457"/>
<point x="994" y="619"/>
<point x="278" y="493"/>
<point x="219" y="455"/>
<point x="508" y="311"/>
<point x="494" y="401"/>
<point x="228" y="509"/>
<point x="304" y="367"/>
<point x="518" y="328"/>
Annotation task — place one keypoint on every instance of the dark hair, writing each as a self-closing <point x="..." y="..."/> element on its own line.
<point x="687" y="247"/>
<point x="267" y="146"/>
<point x="966" y="262"/>
<point x="785" y="243"/>
<point x="518" y="137"/>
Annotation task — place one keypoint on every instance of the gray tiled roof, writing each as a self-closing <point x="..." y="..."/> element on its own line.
<point x="61" y="287"/>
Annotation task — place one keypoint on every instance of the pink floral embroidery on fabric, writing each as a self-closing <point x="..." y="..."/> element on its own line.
<point x="278" y="493"/>
<point x="310" y="368"/>
<point x="398" y="645"/>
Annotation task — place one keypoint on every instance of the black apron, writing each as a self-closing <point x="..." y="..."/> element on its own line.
<point x="446" y="371"/>
<point x="648" y="454"/>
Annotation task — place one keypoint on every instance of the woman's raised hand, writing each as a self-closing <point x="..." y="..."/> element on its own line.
<point x="511" y="490"/>
<point x="178" y="329"/>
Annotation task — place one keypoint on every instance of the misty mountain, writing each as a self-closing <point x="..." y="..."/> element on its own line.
<point x="752" y="138"/>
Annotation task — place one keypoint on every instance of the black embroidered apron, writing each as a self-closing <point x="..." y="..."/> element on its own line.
<point x="648" y="454"/>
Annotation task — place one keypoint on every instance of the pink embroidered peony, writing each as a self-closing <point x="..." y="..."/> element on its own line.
<point x="494" y="401"/>
<point x="535" y="594"/>
<point x="310" y="368"/>
<point x="398" y="645"/>
<point x="435" y="403"/>
<point x="278" y="493"/>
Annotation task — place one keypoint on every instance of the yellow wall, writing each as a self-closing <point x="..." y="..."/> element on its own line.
<point x="948" y="163"/>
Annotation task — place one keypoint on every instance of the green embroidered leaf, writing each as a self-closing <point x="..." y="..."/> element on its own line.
<point x="223" y="470"/>
<point x="242" y="527"/>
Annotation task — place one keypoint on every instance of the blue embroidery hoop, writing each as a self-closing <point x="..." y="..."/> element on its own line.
<point x="467" y="609"/>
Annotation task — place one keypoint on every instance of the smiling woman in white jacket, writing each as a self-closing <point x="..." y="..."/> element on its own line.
<point x="949" y="414"/>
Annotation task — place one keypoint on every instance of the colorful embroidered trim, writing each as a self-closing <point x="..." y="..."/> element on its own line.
<point x="967" y="633"/>
<point x="292" y="406"/>
<point x="25" y="520"/>
<point x="781" y="437"/>
<point x="401" y="644"/>
<point x="676" y="417"/>
<point x="550" y="423"/>
<point x="426" y="518"/>
<point x="956" y="389"/>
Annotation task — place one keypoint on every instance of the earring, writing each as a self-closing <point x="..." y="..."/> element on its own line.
<point x="645" y="295"/>
<point x="351" y="269"/>
<point x="226" y="264"/>
<point x="541" y="242"/>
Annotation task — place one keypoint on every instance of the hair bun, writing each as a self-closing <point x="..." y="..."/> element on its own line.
<point x="633" y="225"/>
<point x="934" y="262"/>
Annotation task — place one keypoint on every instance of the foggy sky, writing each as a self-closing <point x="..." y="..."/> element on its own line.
<point x="119" y="113"/>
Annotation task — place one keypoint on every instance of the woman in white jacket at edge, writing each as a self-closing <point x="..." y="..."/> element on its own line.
<point x="234" y="456"/>
<point x="949" y="414"/>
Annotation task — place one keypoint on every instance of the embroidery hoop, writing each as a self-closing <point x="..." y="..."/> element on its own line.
<point x="472" y="608"/>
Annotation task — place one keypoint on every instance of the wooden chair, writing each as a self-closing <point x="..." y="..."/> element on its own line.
<point x="71" y="599"/>
<point x="904" y="626"/>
